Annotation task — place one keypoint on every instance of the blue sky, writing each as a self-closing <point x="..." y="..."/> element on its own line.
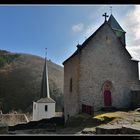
<point x="31" y="29"/>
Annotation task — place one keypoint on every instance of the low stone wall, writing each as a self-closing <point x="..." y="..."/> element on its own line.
<point x="108" y="129"/>
<point x="3" y="128"/>
<point x="133" y="129"/>
<point x="13" y="119"/>
<point x="126" y="129"/>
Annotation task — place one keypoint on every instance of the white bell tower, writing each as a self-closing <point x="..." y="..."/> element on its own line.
<point x="45" y="106"/>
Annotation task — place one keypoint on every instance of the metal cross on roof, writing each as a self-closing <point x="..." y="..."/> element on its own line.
<point x="105" y="15"/>
<point x="46" y="52"/>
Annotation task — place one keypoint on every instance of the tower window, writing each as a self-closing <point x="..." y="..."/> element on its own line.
<point x="46" y="107"/>
<point x="71" y="85"/>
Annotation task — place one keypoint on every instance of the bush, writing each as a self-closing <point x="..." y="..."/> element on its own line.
<point x="7" y="58"/>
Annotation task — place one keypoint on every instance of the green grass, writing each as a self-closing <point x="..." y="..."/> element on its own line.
<point x="79" y="122"/>
<point x="111" y="116"/>
<point x="85" y="123"/>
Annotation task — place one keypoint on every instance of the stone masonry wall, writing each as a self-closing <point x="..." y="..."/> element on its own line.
<point x="135" y="99"/>
<point x="104" y="58"/>
<point x="71" y="99"/>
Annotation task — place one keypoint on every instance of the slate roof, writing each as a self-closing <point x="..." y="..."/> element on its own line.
<point x="46" y="100"/>
<point x="135" y="60"/>
<point x="45" y="83"/>
<point x="114" y="24"/>
<point x="45" y="93"/>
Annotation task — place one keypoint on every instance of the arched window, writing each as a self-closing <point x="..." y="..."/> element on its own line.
<point x="70" y="84"/>
<point x="46" y="108"/>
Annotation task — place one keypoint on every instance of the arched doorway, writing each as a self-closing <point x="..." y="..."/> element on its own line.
<point x="107" y="93"/>
<point x="107" y="98"/>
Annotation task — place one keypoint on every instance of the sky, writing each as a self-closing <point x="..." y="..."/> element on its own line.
<point x="59" y="28"/>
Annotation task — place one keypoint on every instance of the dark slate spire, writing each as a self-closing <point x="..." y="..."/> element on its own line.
<point x="120" y="33"/>
<point x="45" y="83"/>
<point x="114" y="24"/>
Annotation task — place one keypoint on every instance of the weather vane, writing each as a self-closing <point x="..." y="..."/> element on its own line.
<point x="111" y="9"/>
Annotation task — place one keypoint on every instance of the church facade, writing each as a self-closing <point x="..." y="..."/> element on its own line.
<point x="100" y="73"/>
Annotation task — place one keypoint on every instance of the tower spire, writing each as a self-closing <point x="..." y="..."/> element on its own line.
<point x="45" y="83"/>
<point x="45" y="52"/>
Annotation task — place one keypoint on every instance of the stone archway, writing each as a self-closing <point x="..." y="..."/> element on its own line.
<point x="107" y="93"/>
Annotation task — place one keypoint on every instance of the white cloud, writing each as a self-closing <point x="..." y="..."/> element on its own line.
<point x="78" y="27"/>
<point x="132" y="22"/>
<point x="87" y="32"/>
<point x="134" y="51"/>
<point x="90" y="30"/>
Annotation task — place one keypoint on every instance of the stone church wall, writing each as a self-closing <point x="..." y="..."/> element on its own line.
<point x="135" y="99"/>
<point x="71" y="99"/>
<point x="104" y="58"/>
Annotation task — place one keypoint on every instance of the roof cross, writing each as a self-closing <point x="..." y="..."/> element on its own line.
<point x="46" y="52"/>
<point x="105" y="15"/>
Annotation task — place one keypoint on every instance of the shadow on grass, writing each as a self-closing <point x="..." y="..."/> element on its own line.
<point x="76" y="124"/>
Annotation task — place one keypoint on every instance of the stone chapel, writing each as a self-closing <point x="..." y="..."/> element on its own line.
<point x="101" y="72"/>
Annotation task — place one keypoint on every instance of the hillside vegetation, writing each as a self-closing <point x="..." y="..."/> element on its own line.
<point x="20" y="81"/>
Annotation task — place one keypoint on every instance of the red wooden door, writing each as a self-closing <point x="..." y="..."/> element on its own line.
<point x="107" y="98"/>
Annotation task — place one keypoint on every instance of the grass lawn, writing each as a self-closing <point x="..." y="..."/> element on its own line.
<point x="111" y="115"/>
<point x="84" y="122"/>
<point x="80" y="122"/>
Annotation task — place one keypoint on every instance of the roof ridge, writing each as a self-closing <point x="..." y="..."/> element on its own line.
<point x="79" y="47"/>
<point x="46" y="99"/>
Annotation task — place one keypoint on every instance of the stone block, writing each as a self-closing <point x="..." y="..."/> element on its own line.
<point x="131" y="129"/>
<point x="3" y="128"/>
<point x="108" y="129"/>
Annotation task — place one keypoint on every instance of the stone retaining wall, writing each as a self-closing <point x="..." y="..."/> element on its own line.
<point x="3" y="128"/>
<point x="126" y="129"/>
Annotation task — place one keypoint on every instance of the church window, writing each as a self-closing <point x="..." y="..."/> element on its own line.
<point x="46" y="107"/>
<point x="71" y="85"/>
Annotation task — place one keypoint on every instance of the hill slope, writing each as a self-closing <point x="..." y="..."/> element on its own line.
<point x="20" y="81"/>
